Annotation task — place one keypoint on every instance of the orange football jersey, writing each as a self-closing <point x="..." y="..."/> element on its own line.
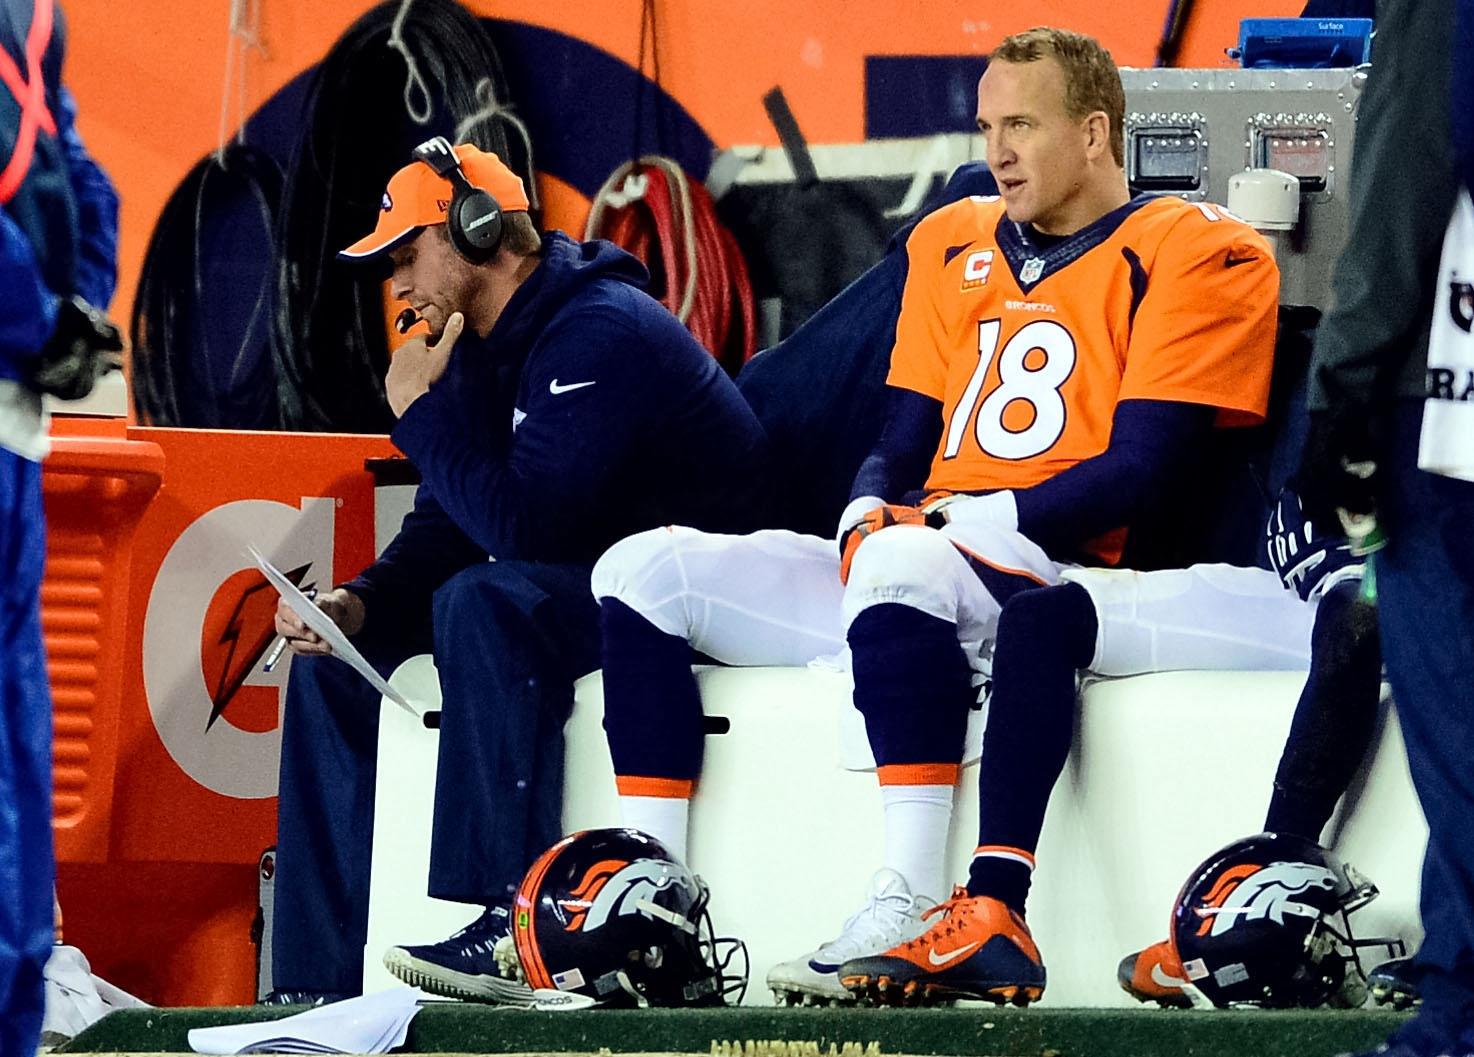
<point x="1030" y="348"/>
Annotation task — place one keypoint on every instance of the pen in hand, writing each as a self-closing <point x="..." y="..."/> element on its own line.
<point x="279" y="647"/>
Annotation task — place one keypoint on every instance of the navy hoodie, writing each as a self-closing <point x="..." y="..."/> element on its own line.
<point x="588" y="413"/>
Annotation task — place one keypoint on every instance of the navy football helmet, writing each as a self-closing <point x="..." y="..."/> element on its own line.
<point x="1266" y="921"/>
<point x="611" y="915"/>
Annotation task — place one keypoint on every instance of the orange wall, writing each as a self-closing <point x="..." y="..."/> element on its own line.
<point x="148" y="75"/>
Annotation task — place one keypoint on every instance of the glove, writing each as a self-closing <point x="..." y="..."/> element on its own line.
<point x="872" y="521"/>
<point x="1307" y="564"/>
<point x="1338" y="469"/>
<point x="84" y="346"/>
<point x="992" y="508"/>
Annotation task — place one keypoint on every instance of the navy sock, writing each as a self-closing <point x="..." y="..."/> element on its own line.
<point x="652" y="707"/>
<point x="1334" y="718"/>
<point x="1044" y="635"/>
<point x="913" y="685"/>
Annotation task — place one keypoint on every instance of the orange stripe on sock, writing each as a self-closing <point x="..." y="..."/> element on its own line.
<point x="918" y="774"/>
<point x="1003" y="851"/>
<point x="669" y="788"/>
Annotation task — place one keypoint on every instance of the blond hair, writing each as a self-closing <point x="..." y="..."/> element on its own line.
<point x="1092" y="81"/>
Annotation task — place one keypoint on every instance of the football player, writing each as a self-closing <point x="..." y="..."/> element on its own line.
<point x="1125" y="623"/>
<point x="1062" y="353"/>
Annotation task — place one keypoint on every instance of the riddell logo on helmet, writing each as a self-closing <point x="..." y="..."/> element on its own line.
<point x="1254" y="893"/>
<point x="613" y="888"/>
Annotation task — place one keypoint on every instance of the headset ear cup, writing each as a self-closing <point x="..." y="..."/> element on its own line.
<point x="477" y="225"/>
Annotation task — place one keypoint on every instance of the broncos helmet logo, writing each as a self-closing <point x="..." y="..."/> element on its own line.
<point x="1253" y="893"/>
<point x="612" y="888"/>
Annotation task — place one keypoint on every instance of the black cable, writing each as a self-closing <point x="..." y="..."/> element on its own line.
<point x="178" y="317"/>
<point x="331" y="345"/>
<point x="1178" y="14"/>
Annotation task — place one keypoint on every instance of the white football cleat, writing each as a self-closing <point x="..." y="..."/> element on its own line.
<point x="891" y="915"/>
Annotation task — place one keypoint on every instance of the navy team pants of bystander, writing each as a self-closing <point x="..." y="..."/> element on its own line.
<point x="510" y="638"/>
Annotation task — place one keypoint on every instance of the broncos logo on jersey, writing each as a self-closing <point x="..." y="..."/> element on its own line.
<point x="1253" y="893"/>
<point x="612" y="887"/>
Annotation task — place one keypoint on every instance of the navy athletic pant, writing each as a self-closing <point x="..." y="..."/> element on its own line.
<point x="509" y="639"/>
<point x="1425" y="602"/>
<point x="27" y="871"/>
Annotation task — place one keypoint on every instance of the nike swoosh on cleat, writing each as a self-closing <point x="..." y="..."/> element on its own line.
<point x="820" y="967"/>
<point x="951" y="956"/>
<point x="1162" y="978"/>
<point x="555" y="388"/>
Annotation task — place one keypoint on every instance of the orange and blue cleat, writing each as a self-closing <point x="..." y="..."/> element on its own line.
<point x="1154" y="975"/>
<point x="976" y="948"/>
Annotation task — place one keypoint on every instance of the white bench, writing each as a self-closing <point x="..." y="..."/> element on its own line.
<point x="1165" y="769"/>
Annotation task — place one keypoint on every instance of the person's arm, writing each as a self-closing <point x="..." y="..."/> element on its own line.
<point x="97" y="211"/>
<point x="582" y="417"/>
<point x="903" y="452"/>
<point x="1201" y="351"/>
<point x="1152" y="441"/>
<point x="1371" y="346"/>
<point x="428" y="550"/>
<point x="915" y="383"/>
<point x="27" y="309"/>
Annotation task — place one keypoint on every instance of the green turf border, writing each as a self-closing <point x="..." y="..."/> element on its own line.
<point x="468" y="1028"/>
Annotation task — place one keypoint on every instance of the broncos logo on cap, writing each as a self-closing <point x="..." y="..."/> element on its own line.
<point x="386" y="203"/>
<point x="1253" y="893"/>
<point x="611" y="888"/>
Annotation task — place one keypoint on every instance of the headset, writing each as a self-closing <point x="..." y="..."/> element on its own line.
<point x="474" y="218"/>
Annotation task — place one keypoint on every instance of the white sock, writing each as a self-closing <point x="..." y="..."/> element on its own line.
<point x="663" y="817"/>
<point x="916" y="822"/>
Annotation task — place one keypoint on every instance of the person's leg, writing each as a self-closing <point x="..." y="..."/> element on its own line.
<point x="1335" y="716"/>
<point x="1043" y="636"/>
<point x="325" y="817"/>
<point x="27" y="870"/>
<point x="510" y="639"/>
<point x="921" y="606"/>
<point x="1427" y="568"/>
<point x="765" y="598"/>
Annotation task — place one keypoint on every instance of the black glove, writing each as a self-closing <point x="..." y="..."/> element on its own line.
<point x="84" y="346"/>
<point x="1338" y="468"/>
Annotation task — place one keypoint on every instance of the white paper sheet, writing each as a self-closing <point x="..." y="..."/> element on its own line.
<point x="375" y="1023"/>
<point x="333" y="635"/>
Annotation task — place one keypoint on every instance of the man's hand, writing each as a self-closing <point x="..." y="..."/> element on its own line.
<point x="417" y="365"/>
<point x="1310" y="557"/>
<point x="872" y="522"/>
<point x="344" y="607"/>
<point x="84" y="346"/>
<point x="1337" y="468"/>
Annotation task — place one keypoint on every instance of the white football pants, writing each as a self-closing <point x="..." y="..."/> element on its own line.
<point x="774" y="598"/>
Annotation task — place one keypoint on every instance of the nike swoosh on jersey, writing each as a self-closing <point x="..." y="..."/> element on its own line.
<point x="555" y="388"/>
<point x="1233" y="262"/>
<point x="1162" y="978"/>
<point x="952" y="251"/>
<point x="950" y="956"/>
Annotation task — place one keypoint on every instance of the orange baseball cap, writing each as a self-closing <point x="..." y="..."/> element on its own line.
<point x="417" y="196"/>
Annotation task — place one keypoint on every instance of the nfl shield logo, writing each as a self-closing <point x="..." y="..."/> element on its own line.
<point x="1033" y="268"/>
